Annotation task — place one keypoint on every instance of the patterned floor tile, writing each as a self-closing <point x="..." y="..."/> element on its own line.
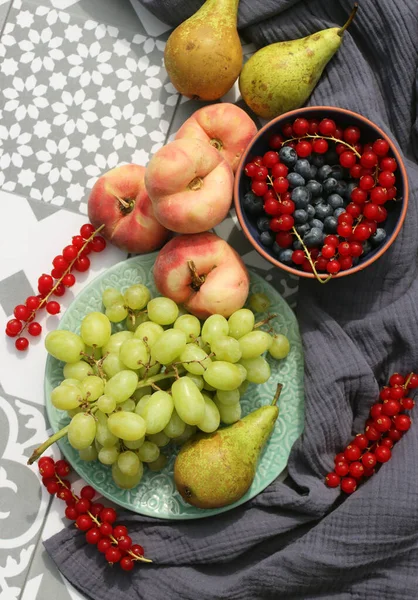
<point x="77" y="98"/>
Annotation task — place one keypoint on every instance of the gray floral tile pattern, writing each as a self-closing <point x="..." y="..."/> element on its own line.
<point x="78" y="97"/>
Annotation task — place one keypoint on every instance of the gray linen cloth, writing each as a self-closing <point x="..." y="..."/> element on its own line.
<point x="299" y="539"/>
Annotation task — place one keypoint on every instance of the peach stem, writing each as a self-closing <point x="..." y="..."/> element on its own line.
<point x="197" y="280"/>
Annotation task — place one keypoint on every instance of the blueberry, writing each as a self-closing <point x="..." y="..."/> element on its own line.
<point x="338" y="212"/>
<point x="334" y="200"/>
<point x="318" y="160"/>
<point x="329" y="185"/>
<point x="356" y="261"/>
<point x="322" y="211"/>
<point x="337" y="172"/>
<point x="311" y="211"/>
<point x="300" y="216"/>
<point x="288" y="156"/>
<point x="366" y="247"/>
<point x="253" y="205"/>
<point x="314" y="187"/>
<point x="285" y="256"/>
<point x="323" y="172"/>
<point x="378" y="237"/>
<point x="302" y="229"/>
<point x="316" y="223"/>
<point x="313" y="238"/>
<point x="295" y="180"/>
<point x="350" y="188"/>
<point x="341" y="189"/>
<point x="301" y="197"/>
<point x="266" y="238"/>
<point x="318" y="200"/>
<point x="303" y="167"/>
<point x="297" y="245"/>
<point x="314" y="171"/>
<point x="276" y="249"/>
<point x="263" y="223"/>
<point x="331" y="157"/>
<point x="330" y="225"/>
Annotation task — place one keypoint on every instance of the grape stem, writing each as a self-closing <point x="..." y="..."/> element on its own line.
<point x="54" y="438"/>
<point x="264" y="321"/>
<point x="155" y="378"/>
<point x="277" y="394"/>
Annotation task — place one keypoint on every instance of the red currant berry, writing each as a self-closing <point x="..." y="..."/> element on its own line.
<point x="71" y="513"/>
<point x="70" y="253"/>
<point x="286" y="222"/>
<point x="280" y="185"/>
<point x="352" y="452"/>
<point x="339" y="457"/>
<point x="287" y="207"/>
<point x="376" y="410"/>
<point x="358" y="195"/>
<point x="53" y="487"/>
<point x="327" y="127"/>
<point x="397" y="392"/>
<point x="332" y="480"/>
<point x="68" y="280"/>
<point x="93" y="536"/>
<point x="366" y="182"/>
<point x="383" y="423"/>
<point x="383" y="213"/>
<point x="402" y="422"/>
<point x="372" y="433"/>
<point x="96" y="508"/>
<point x="22" y="344"/>
<point x="361" y="441"/>
<point x="32" y="302"/>
<point x="344" y="229"/>
<point x="59" y="290"/>
<point x="355" y="171"/>
<point x="45" y="460"/>
<point x="369" y="460"/>
<point x="103" y="545"/>
<point x="84" y="522"/>
<point x="413" y="381"/>
<point x="387" y="179"/>
<point x="394" y="434"/>
<point x="106" y="529"/>
<point x="387" y="442"/>
<point x="62" y="468"/>
<point x="342" y="468"/>
<point x="303" y="149"/>
<point x="361" y="233"/>
<point x="356" y="249"/>
<point x="259" y="188"/>
<point x="348" y="485"/>
<point x="126" y="563"/>
<point x="380" y="147"/>
<point x="378" y="195"/>
<point x="113" y="555"/>
<point x="34" y="329"/>
<point x="371" y="211"/>
<point x="384" y="393"/>
<point x="328" y="251"/>
<point x="276" y="142"/>
<point x="272" y="207"/>
<point x="339" y="133"/>
<point x="383" y="454"/>
<point x="45" y="284"/>
<point x="320" y="146"/>
<point x="279" y="170"/>
<point x="53" y="308"/>
<point x="13" y="327"/>
<point x="334" y="266"/>
<point x="352" y="135"/>
<point x="46" y="469"/>
<point x="346" y="262"/>
<point x="301" y="127"/>
<point x="124" y="542"/>
<point x="64" y="494"/>
<point x="22" y="312"/>
<point x="87" y="230"/>
<point x="388" y="164"/>
<point x="270" y="195"/>
<point x="275" y="225"/>
<point x="368" y="159"/>
<point x="120" y="531"/>
<point x="347" y="159"/>
<point x="391" y="192"/>
<point x="345" y="217"/>
<point x="321" y="263"/>
<point x="407" y="403"/>
<point x="340" y="148"/>
<point x="332" y="240"/>
<point x="60" y="263"/>
<point x="298" y="257"/>
<point x="87" y="492"/>
<point x="258" y="160"/>
<point x="313" y="126"/>
<point x="249" y="169"/>
<point x="356" y="469"/>
<point x="83" y="263"/>
<point x="284" y="239"/>
<point x="287" y="130"/>
<point x="369" y="472"/>
<point x="82" y="506"/>
<point x="108" y="515"/>
<point x="261" y="174"/>
<point x="306" y="266"/>
<point x="137" y="550"/>
<point x="78" y="242"/>
<point x="391" y="407"/>
<point x="344" y="249"/>
<point x="270" y="158"/>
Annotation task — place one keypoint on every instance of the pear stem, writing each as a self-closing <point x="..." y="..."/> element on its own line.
<point x="277" y="394"/>
<point x="349" y="21"/>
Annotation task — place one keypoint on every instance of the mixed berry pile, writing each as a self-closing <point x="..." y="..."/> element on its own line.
<point x="319" y="197"/>
<point x="73" y="258"/>
<point x="95" y="520"/>
<point x="386" y="425"/>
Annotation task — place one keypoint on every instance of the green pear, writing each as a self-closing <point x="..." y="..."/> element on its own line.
<point x="203" y="55"/>
<point x="281" y="77"/>
<point x="216" y="469"/>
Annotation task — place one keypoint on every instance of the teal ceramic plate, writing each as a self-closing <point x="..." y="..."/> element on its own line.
<point x="156" y="495"/>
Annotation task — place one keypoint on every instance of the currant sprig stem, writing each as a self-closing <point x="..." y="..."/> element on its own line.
<point x="322" y="279"/>
<point x="330" y="138"/>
